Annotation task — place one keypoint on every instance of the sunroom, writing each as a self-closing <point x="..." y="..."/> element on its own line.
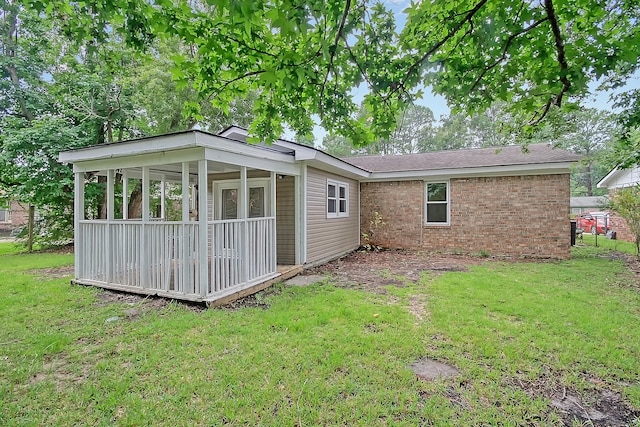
<point x="214" y="218"/>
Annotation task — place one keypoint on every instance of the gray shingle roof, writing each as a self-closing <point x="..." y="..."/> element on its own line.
<point x="473" y="158"/>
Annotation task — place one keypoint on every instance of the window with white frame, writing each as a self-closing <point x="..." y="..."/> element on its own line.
<point x="337" y="199"/>
<point x="437" y="206"/>
<point x="5" y="215"/>
<point x="227" y="198"/>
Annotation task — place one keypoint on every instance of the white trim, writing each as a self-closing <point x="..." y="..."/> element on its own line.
<point x="435" y="174"/>
<point x="447" y="203"/>
<point x="338" y="186"/>
<point x="304" y="178"/>
<point x="237" y="184"/>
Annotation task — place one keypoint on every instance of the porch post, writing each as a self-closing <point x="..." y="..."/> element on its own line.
<point x="203" y="244"/>
<point x="125" y="194"/>
<point x="162" y="196"/>
<point x="78" y="215"/>
<point x="185" y="191"/>
<point x="186" y="253"/>
<point x="110" y="217"/>
<point x="145" y="277"/>
<point x="243" y="196"/>
<point x="272" y="235"/>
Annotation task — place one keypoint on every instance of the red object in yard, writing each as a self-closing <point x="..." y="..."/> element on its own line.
<point x="591" y="222"/>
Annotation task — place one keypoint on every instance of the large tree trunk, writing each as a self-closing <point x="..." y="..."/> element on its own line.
<point x="134" y="208"/>
<point x="588" y="179"/>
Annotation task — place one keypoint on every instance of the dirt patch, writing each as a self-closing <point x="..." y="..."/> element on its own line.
<point x="140" y="303"/>
<point x="59" y="370"/>
<point x="598" y="407"/>
<point x="374" y="271"/>
<point x="429" y="369"/>
<point x="631" y="261"/>
<point x="52" y="273"/>
<point x="256" y="300"/>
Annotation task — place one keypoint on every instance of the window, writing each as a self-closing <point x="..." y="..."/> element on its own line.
<point x="227" y="198"/>
<point x="437" y="203"/>
<point x="5" y="215"/>
<point x="337" y="199"/>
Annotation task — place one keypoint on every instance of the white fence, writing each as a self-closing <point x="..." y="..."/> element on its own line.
<point x="163" y="257"/>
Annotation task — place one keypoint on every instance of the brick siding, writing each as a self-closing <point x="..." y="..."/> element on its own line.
<point x="514" y="216"/>
<point x="19" y="217"/>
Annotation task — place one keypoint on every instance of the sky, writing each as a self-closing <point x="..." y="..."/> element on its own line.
<point x="437" y="103"/>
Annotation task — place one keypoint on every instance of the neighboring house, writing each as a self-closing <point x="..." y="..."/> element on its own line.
<point x="587" y="204"/>
<point x="12" y="217"/>
<point x="270" y="209"/>
<point x="614" y="180"/>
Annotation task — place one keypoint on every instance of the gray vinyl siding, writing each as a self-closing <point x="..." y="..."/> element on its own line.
<point x="329" y="237"/>
<point x="285" y="221"/>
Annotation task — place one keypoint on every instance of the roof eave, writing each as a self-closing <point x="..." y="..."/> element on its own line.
<point x="471" y="172"/>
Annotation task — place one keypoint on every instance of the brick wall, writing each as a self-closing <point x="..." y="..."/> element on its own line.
<point x="619" y="224"/>
<point x="19" y="217"/>
<point x="515" y="216"/>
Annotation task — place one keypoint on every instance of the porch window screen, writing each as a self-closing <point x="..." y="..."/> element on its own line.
<point x="337" y="199"/>
<point x="437" y="203"/>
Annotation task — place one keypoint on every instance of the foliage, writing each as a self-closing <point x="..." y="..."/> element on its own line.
<point x="318" y="355"/>
<point x="626" y="203"/>
<point x="376" y="223"/>
<point x="309" y="57"/>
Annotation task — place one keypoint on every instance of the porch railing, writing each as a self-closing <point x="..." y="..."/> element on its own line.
<point x="163" y="256"/>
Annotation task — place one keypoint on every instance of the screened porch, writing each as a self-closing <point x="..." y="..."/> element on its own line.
<point x="199" y="230"/>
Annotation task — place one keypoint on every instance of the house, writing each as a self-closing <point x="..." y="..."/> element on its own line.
<point x="253" y="213"/>
<point x="581" y="204"/>
<point x="12" y="217"/>
<point x="614" y="180"/>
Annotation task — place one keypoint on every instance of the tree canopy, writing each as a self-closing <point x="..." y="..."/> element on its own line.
<point x="307" y="58"/>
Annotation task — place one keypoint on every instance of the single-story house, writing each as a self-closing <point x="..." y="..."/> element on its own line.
<point x="581" y="204"/>
<point x="614" y="180"/>
<point x="12" y="217"/>
<point x="251" y="213"/>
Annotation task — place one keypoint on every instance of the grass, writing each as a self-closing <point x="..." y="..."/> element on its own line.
<point x="609" y="244"/>
<point x="319" y="355"/>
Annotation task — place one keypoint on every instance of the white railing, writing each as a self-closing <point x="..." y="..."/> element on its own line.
<point x="241" y="252"/>
<point x="162" y="257"/>
<point x="136" y="255"/>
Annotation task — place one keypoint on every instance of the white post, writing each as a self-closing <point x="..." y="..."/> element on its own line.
<point x="162" y="196"/>
<point x="125" y="194"/>
<point x="203" y="247"/>
<point x="78" y="215"/>
<point x="272" y="235"/>
<point x="186" y="255"/>
<point x="145" y="277"/>
<point x="110" y="218"/>
<point x="185" y="191"/>
<point x="243" y="199"/>
<point x="145" y="193"/>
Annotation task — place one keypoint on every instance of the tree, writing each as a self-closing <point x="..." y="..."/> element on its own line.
<point x="306" y="57"/>
<point x="626" y="202"/>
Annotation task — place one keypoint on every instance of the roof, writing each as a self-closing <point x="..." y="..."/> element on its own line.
<point x="588" y="202"/>
<point x="619" y="178"/>
<point x="472" y="158"/>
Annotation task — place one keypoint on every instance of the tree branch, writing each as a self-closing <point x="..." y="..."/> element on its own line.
<point x="468" y="17"/>
<point x="511" y="38"/>
<point x="562" y="59"/>
<point x="345" y="14"/>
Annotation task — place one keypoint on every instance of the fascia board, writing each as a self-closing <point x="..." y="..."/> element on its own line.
<point x="281" y="163"/>
<point x="331" y="164"/>
<point x="611" y="176"/>
<point x="146" y="146"/>
<point x="154" y="158"/>
<point x="512" y="170"/>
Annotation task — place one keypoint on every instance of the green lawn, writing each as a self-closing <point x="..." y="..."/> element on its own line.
<point x="321" y="355"/>
<point x="604" y="243"/>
